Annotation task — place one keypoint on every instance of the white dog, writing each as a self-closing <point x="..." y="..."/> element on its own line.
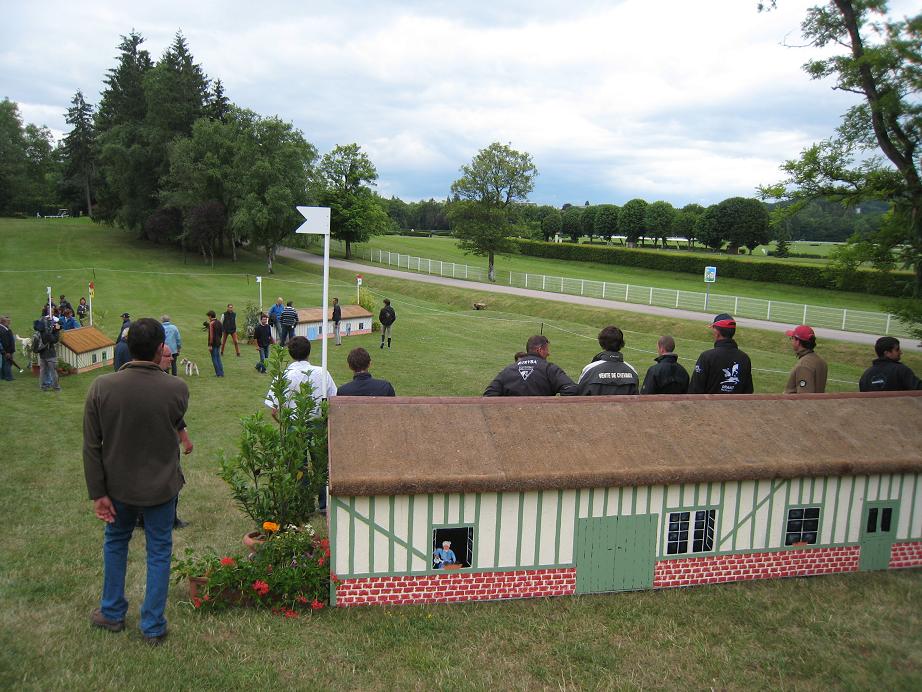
<point x="189" y="367"/>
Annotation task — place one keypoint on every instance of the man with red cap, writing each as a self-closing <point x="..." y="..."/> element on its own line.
<point x="809" y="375"/>
<point x="723" y="369"/>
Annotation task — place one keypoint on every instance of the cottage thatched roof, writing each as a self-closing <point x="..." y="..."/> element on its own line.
<point x="316" y="314"/>
<point x="384" y="446"/>
<point x="85" y="339"/>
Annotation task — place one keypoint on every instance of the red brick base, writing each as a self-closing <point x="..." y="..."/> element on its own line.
<point x="906" y="555"/>
<point x="715" y="569"/>
<point x="456" y="586"/>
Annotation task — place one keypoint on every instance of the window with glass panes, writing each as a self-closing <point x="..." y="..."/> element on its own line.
<point x="691" y="532"/>
<point x="803" y="525"/>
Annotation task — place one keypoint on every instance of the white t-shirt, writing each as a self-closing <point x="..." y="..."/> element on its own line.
<point x="297" y="373"/>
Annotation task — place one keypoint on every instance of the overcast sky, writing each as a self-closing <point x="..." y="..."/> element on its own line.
<point x="660" y="99"/>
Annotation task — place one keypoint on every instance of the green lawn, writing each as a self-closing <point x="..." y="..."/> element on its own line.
<point x="446" y="249"/>
<point x="855" y="631"/>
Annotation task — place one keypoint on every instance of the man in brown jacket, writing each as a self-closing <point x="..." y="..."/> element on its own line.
<point x="809" y="375"/>
<point x="131" y="465"/>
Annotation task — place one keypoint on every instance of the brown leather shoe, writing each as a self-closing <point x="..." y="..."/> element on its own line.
<point x="155" y="640"/>
<point x="99" y="620"/>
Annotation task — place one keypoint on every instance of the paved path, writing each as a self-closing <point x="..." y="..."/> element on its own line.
<point x="821" y="333"/>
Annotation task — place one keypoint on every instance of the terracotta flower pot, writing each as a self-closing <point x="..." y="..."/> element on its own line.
<point x="254" y="540"/>
<point x="197" y="586"/>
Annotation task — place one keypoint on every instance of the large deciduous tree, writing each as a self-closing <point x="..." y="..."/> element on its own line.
<point x="606" y="220"/>
<point x="572" y="223"/>
<point x="658" y="219"/>
<point x="497" y="177"/>
<point x="879" y="60"/>
<point x="743" y="222"/>
<point x="633" y="215"/>
<point x="346" y="173"/>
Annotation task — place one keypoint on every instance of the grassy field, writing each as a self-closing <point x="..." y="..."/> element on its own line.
<point x="446" y="249"/>
<point x="857" y="631"/>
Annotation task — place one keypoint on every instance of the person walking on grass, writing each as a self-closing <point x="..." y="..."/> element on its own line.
<point x="173" y="339"/>
<point x="386" y="317"/>
<point x="809" y="374"/>
<point x="48" y="336"/>
<point x="131" y="425"/>
<point x="724" y="369"/>
<point x="275" y="317"/>
<point x="363" y="384"/>
<point x="263" y="337"/>
<point x="667" y="376"/>
<point x="8" y="347"/>
<point x="887" y="373"/>
<point x="337" y="317"/>
<point x="289" y="321"/>
<point x="214" y="342"/>
<point x="229" y="327"/>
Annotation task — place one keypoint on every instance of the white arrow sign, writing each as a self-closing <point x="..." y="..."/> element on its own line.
<point x="317" y="220"/>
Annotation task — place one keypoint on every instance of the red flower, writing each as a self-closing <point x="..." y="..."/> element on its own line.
<point x="260" y="587"/>
<point x="228" y="561"/>
<point x="207" y="597"/>
<point x="196" y="602"/>
<point x="290" y="613"/>
<point x="325" y="543"/>
<point x="321" y="560"/>
<point x="316" y="605"/>
<point x="327" y="552"/>
<point x="302" y="600"/>
<point x="333" y="577"/>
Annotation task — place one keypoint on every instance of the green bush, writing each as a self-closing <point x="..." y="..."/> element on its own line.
<point x="807" y="275"/>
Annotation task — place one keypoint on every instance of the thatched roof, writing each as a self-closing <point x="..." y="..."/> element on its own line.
<point x="422" y="445"/>
<point x="316" y="314"/>
<point x="85" y="339"/>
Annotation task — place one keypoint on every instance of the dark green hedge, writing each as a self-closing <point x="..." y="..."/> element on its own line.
<point x="778" y="272"/>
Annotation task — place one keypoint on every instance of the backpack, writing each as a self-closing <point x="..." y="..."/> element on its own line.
<point x="38" y="343"/>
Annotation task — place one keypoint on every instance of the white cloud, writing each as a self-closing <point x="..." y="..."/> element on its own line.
<point x="671" y="99"/>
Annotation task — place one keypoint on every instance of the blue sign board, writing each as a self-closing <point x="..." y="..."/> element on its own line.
<point x="710" y="275"/>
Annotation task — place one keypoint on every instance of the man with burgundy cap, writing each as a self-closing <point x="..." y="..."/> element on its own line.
<point x="724" y="369"/>
<point x="809" y="375"/>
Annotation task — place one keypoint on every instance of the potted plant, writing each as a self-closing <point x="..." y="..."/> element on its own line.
<point x="282" y="462"/>
<point x="250" y="322"/>
<point x="289" y="574"/>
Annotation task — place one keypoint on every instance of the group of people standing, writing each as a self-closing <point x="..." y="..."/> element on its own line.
<point x="723" y="369"/>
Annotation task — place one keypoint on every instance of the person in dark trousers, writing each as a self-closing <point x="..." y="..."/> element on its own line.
<point x="809" y="375"/>
<point x="131" y="465"/>
<point x="667" y="376"/>
<point x="724" y="369"/>
<point x="608" y="374"/>
<point x="386" y="317"/>
<point x="214" y="342"/>
<point x="263" y="337"/>
<point x="121" y="354"/>
<point x="275" y="315"/>
<point x="49" y="335"/>
<point x="8" y="347"/>
<point x="337" y="317"/>
<point x="288" y="320"/>
<point x="887" y="373"/>
<point x="363" y="384"/>
<point x="229" y="326"/>
<point x="532" y="375"/>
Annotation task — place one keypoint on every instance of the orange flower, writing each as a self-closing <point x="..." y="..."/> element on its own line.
<point x="270" y="526"/>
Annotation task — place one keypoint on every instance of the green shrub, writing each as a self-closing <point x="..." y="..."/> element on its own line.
<point x="807" y="275"/>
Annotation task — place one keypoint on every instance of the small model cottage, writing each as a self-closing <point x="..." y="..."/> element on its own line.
<point x="487" y="498"/>
<point x="85" y="349"/>
<point x="354" y="320"/>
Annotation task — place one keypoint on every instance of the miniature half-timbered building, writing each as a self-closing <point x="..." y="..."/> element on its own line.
<point x="86" y="348"/>
<point x="553" y="496"/>
<point x="354" y="320"/>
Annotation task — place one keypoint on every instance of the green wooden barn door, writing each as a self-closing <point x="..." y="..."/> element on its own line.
<point x="878" y="532"/>
<point x="615" y="553"/>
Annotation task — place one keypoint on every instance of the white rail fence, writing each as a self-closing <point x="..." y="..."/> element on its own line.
<point x="769" y="310"/>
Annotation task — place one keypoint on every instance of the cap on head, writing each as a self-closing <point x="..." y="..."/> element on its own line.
<point x="801" y="333"/>
<point x="125" y="315"/>
<point x="724" y="321"/>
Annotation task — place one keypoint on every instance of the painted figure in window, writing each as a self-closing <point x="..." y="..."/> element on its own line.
<point x="443" y="556"/>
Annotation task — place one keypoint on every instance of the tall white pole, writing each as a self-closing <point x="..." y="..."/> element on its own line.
<point x="259" y="282"/>
<point x="48" y="288"/>
<point x="326" y="293"/>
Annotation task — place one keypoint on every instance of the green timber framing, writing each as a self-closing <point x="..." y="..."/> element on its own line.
<point x="751" y="517"/>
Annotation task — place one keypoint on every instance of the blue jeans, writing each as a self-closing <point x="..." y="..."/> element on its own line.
<point x="216" y="361"/>
<point x="6" y="368"/>
<point x="158" y="532"/>
<point x="263" y="355"/>
<point x="48" y="373"/>
<point x="288" y="334"/>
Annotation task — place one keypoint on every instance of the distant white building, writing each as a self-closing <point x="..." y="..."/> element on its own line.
<point x="354" y="320"/>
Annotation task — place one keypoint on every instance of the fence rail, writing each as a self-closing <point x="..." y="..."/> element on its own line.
<point x="740" y="306"/>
